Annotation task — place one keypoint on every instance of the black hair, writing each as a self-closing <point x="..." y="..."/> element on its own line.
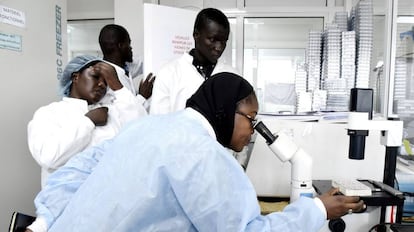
<point x="210" y="14"/>
<point x="110" y="36"/>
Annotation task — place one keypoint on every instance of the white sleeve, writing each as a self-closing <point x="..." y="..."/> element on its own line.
<point x="321" y="206"/>
<point x="53" y="138"/>
<point x="160" y="99"/>
<point x="144" y="102"/>
<point x="127" y="105"/>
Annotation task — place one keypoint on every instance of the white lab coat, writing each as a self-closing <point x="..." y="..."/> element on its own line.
<point x="127" y="82"/>
<point x="176" y="82"/>
<point x="60" y="130"/>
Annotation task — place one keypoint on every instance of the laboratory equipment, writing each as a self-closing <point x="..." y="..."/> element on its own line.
<point x="360" y="122"/>
<point x="286" y="150"/>
<point x="351" y="187"/>
<point x="380" y="198"/>
<point x="327" y="144"/>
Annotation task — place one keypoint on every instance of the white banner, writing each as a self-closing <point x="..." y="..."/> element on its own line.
<point x="168" y="33"/>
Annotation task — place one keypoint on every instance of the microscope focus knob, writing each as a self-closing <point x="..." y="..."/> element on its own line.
<point x="337" y="225"/>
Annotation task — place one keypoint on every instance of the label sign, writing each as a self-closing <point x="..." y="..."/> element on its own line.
<point x="11" y="42"/>
<point x="12" y="16"/>
<point x="59" y="44"/>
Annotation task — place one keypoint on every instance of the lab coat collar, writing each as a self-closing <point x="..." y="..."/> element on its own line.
<point x="78" y="101"/>
<point x="199" y="117"/>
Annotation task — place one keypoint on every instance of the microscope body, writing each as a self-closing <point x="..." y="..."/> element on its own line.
<point x="392" y="131"/>
<point x="301" y="163"/>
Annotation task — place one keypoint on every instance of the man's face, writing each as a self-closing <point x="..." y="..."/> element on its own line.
<point x="126" y="50"/>
<point x="243" y="124"/>
<point x="89" y="85"/>
<point x="211" y="41"/>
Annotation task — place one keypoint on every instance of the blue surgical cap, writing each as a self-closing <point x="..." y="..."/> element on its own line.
<point x="75" y="65"/>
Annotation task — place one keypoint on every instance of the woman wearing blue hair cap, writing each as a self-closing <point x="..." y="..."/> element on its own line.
<point x="178" y="176"/>
<point x="62" y="129"/>
<point x="80" y="120"/>
<point x="76" y="65"/>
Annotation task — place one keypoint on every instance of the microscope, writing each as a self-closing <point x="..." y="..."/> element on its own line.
<point x="360" y="122"/>
<point x="286" y="150"/>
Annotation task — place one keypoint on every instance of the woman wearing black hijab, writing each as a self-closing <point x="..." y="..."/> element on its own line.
<point x="172" y="173"/>
<point x="218" y="101"/>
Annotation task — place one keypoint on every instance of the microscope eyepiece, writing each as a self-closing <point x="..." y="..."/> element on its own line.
<point x="265" y="132"/>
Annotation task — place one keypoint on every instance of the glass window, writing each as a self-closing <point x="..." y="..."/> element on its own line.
<point x="274" y="49"/>
<point x="83" y="37"/>
<point x="403" y="101"/>
<point x="377" y="75"/>
<point x="276" y="3"/>
<point x="377" y="81"/>
<point x="405" y="7"/>
<point x="221" y="4"/>
<point x="185" y="4"/>
<point x="229" y="55"/>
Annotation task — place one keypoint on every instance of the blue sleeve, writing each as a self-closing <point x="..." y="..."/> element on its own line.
<point x="218" y="196"/>
<point x="64" y="183"/>
<point x="301" y="216"/>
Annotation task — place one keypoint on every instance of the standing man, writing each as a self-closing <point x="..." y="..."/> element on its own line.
<point x="180" y="78"/>
<point x="115" y="44"/>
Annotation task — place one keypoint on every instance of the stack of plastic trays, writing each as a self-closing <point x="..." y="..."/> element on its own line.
<point x="303" y="102"/>
<point x="351" y="19"/>
<point x="364" y="39"/>
<point x="332" y="52"/>
<point x="341" y="19"/>
<point x="404" y="108"/>
<point x="348" y="58"/>
<point x="400" y="79"/>
<point x="319" y="100"/>
<point x="337" y="94"/>
<point x="300" y="78"/>
<point x="313" y="60"/>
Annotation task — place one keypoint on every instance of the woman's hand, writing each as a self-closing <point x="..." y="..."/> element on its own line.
<point x="337" y="205"/>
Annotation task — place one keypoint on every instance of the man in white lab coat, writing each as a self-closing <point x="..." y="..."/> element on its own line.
<point x="116" y="47"/>
<point x="179" y="79"/>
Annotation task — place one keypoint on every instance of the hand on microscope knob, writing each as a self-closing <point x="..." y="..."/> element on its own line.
<point x="337" y="205"/>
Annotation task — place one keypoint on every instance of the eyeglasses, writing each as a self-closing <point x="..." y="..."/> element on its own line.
<point x="252" y="120"/>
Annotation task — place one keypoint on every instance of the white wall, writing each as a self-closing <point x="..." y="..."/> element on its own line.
<point x="91" y="9"/>
<point x="129" y="13"/>
<point x="28" y="81"/>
